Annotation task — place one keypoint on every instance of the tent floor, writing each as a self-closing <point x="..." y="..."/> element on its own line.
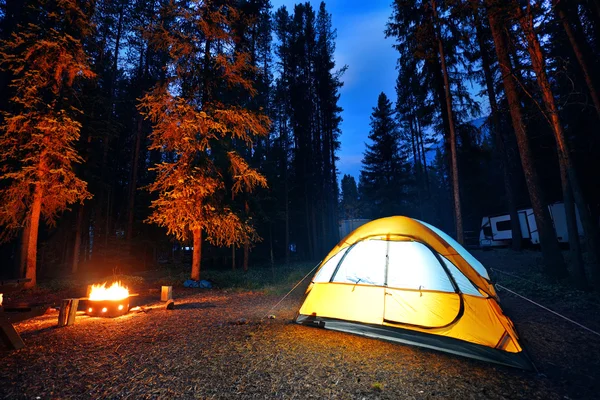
<point x="420" y="339"/>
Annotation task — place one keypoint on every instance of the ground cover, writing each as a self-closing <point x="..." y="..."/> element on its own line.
<point x="220" y="343"/>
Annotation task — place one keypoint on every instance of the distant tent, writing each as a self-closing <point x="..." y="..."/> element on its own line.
<point x="406" y="281"/>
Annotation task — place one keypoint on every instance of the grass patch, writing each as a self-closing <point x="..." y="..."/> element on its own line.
<point x="271" y="280"/>
<point x="277" y="281"/>
<point x="377" y="386"/>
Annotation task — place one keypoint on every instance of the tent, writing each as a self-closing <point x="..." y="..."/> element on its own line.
<point x="403" y="280"/>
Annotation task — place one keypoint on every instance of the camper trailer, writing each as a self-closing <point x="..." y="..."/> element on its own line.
<point x="496" y="230"/>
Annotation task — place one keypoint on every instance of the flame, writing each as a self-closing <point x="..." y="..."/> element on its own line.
<point x="114" y="292"/>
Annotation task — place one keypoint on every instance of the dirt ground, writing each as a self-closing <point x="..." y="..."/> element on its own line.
<point x="216" y="344"/>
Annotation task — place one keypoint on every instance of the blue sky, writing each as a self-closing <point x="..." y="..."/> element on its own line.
<point x="371" y="61"/>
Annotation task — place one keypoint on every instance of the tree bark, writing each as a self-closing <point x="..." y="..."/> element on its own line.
<point x="197" y="253"/>
<point x="453" y="149"/>
<point x="515" y="225"/>
<point x="24" y="248"/>
<point x="34" y="221"/>
<point x="562" y="16"/>
<point x="553" y="260"/>
<point x="591" y="233"/>
<point x="246" y="242"/>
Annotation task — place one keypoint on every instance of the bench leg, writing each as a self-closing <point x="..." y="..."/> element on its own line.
<point x="73" y="312"/>
<point x="68" y="310"/>
<point x="10" y="336"/>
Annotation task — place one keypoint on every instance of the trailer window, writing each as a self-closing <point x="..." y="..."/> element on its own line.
<point x="503" y="225"/>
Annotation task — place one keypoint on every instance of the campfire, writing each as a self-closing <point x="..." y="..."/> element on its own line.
<point x="112" y="301"/>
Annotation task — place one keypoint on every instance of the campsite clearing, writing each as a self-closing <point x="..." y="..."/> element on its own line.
<point x="215" y="345"/>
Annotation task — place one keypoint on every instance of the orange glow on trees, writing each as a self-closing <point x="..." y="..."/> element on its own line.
<point x="198" y="123"/>
<point x="39" y="132"/>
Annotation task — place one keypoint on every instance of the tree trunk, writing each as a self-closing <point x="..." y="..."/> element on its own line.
<point x="77" y="241"/>
<point x="233" y="257"/>
<point x="34" y="222"/>
<point x="133" y="179"/>
<point x="417" y="161"/>
<point x="246" y="255"/>
<point x="538" y="64"/>
<point x="553" y="259"/>
<point x="515" y="225"/>
<point x="559" y="6"/>
<point x="197" y="253"/>
<point x="576" y="259"/>
<point x="24" y="248"/>
<point x="453" y="150"/>
<point x="287" y="209"/>
<point x="308" y="220"/>
<point x="424" y="161"/>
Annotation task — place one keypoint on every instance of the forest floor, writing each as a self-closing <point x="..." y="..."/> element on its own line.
<point x="218" y="344"/>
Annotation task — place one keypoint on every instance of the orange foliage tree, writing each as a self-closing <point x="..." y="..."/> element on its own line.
<point x="38" y="135"/>
<point x="197" y="118"/>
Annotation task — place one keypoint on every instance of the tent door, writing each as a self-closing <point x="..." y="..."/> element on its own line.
<point x="420" y="308"/>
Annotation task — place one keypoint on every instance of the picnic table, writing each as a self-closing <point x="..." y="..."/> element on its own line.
<point x="16" y="312"/>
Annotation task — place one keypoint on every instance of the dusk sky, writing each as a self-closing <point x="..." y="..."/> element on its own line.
<point x="371" y="60"/>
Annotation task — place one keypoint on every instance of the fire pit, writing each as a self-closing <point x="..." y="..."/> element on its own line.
<point x="108" y="302"/>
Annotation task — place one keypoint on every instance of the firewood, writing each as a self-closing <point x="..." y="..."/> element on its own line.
<point x="67" y="313"/>
<point x="166" y="293"/>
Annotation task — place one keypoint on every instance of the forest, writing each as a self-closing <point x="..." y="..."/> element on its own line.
<point x="133" y="130"/>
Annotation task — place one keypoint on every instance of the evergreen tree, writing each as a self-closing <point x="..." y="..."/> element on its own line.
<point x="307" y="120"/>
<point x="349" y="204"/>
<point x="37" y="140"/>
<point x="428" y="38"/>
<point x="195" y="123"/>
<point x="383" y="176"/>
<point x="553" y="259"/>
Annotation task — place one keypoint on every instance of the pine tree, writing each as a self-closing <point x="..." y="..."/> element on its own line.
<point x="307" y="120"/>
<point x="572" y="191"/>
<point x="553" y="259"/>
<point x="349" y="204"/>
<point x="194" y="125"/>
<point x="483" y="40"/>
<point x="37" y="140"/>
<point x="427" y="35"/>
<point x="384" y="170"/>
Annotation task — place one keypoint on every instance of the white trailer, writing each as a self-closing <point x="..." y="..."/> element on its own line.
<point x="496" y="230"/>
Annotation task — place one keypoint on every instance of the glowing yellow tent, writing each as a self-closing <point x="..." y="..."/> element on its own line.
<point x="406" y="281"/>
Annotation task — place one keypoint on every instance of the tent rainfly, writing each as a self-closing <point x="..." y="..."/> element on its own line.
<point x="403" y="280"/>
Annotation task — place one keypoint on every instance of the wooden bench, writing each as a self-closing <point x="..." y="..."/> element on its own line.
<point x="16" y="312"/>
